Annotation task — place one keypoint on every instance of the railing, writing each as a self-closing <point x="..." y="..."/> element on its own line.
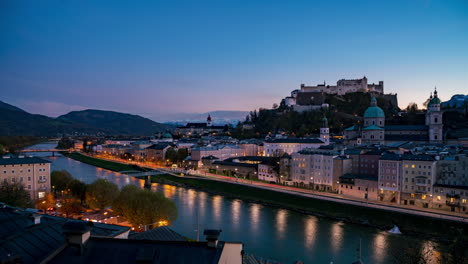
<point x="42" y="180"/>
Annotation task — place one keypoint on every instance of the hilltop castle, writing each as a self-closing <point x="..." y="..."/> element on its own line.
<point x="313" y="97"/>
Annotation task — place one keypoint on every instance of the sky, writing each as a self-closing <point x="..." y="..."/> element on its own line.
<point x="158" y="57"/>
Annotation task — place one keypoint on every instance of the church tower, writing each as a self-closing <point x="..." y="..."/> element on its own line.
<point x="325" y="131"/>
<point x="434" y="119"/>
<point x="208" y="120"/>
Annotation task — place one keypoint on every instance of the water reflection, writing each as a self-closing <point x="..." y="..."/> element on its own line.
<point x="191" y="199"/>
<point x="236" y="212"/>
<point x="281" y="216"/>
<point x="380" y="246"/>
<point x="310" y="231"/>
<point x="254" y="217"/>
<point x="169" y="191"/>
<point x="217" y="207"/>
<point x="336" y="236"/>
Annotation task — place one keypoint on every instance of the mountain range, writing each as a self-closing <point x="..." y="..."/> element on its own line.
<point x="16" y="121"/>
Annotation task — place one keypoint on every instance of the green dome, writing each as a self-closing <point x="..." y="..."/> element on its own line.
<point x="374" y="112"/>
<point x="434" y="100"/>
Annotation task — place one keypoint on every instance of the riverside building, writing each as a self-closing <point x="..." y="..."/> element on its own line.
<point x="33" y="173"/>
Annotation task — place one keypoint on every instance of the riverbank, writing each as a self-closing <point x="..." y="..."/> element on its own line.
<point x="108" y="165"/>
<point x="381" y="219"/>
<point x="14" y="143"/>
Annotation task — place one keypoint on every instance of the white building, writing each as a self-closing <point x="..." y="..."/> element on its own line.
<point x="316" y="169"/>
<point x="221" y="152"/>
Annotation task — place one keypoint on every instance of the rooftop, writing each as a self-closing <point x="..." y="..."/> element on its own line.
<point x="24" y="160"/>
<point x="295" y="141"/>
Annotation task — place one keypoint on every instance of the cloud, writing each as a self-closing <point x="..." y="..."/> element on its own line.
<point x="48" y="108"/>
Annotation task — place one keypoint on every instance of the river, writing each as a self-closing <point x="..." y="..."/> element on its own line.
<point x="273" y="233"/>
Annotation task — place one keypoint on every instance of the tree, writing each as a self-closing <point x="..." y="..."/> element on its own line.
<point x="60" y="179"/>
<point x="70" y="206"/>
<point x="144" y="207"/>
<point x="101" y="194"/>
<point x="65" y="143"/>
<point x="14" y="194"/>
<point x="412" y="107"/>
<point x="120" y="205"/>
<point x="2" y="151"/>
<point x="77" y="189"/>
<point x="182" y="154"/>
<point x="47" y="202"/>
<point x="171" y="155"/>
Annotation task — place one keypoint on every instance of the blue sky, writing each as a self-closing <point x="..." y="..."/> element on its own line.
<point x="157" y="57"/>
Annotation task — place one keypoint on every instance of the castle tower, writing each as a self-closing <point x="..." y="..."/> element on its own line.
<point x="434" y="119"/>
<point x="325" y="131"/>
<point x="208" y="121"/>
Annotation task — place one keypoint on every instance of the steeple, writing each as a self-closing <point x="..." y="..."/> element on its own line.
<point x="430" y="97"/>
<point x="435" y="92"/>
<point x="324" y="122"/>
<point x="373" y="101"/>
<point x="208" y="120"/>
<point x="325" y="131"/>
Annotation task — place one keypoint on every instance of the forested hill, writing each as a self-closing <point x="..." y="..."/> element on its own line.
<point x="114" y="122"/>
<point x="17" y="122"/>
<point x="344" y="111"/>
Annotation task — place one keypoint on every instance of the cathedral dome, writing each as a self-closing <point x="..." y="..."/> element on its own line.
<point x="434" y="100"/>
<point x="374" y="111"/>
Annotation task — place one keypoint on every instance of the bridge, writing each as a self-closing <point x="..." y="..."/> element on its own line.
<point x="142" y="174"/>
<point x="44" y="150"/>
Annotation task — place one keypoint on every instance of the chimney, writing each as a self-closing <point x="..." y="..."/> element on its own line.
<point x="77" y="233"/>
<point x="212" y="237"/>
<point x="35" y="219"/>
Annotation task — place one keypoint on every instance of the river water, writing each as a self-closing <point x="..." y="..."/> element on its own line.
<point x="275" y="234"/>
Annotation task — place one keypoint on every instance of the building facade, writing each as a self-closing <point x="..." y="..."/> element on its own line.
<point x="33" y="173"/>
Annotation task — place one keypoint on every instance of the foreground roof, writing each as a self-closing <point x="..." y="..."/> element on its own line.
<point x="162" y="233"/>
<point x="24" y="160"/>
<point x="104" y="250"/>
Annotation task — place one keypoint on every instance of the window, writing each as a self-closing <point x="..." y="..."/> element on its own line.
<point x="438" y="198"/>
<point x="412" y="195"/>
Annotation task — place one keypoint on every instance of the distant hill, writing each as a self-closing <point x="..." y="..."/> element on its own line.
<point x="114" y="122"/>
<point x="5" y="106"/>
<point x="220" y="117"/>
<point x="17" y="122"/>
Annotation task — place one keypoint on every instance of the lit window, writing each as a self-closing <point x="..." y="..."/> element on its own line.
<point x="423" y="197"/>
<point x="438" y="198"/>
<point x="412" y="195"/>
<point x="412" y="166"/>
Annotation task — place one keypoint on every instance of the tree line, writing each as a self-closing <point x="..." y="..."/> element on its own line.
<point x="140" y="207"/>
